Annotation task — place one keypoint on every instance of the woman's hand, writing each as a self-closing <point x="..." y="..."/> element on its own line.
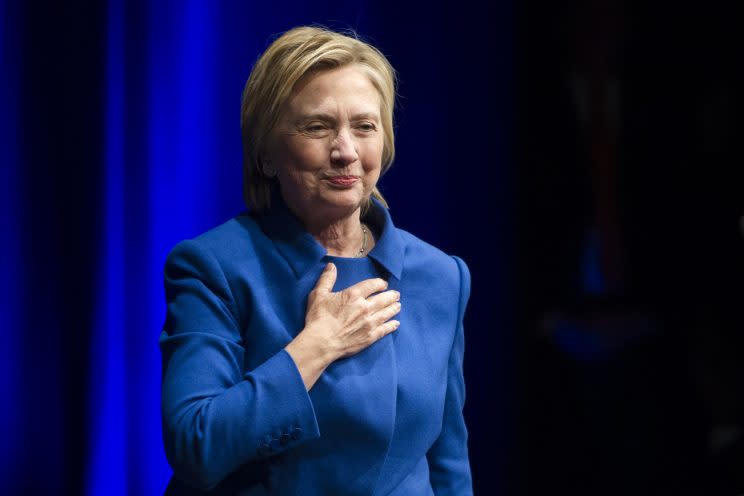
<point x="343" y="323"/>
<point x="350" y="320"/>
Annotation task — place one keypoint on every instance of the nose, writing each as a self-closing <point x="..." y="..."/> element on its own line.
<point x="343" y="149"/>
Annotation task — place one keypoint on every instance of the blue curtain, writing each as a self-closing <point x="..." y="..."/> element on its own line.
<point x="120" y="137"/>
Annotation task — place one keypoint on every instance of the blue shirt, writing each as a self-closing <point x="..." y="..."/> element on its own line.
<point x="237" y="418"/>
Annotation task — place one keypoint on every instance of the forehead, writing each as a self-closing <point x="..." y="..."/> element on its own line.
<point x="348" y="87"/>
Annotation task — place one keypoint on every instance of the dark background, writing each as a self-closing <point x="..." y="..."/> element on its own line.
<point x="522" y="128"/>
<point x="627" y="126"/>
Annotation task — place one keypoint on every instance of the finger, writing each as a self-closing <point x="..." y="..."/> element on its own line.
<point x="327" y="279"/>
<point x="381" y="300"/>
<point x="388" y="327"/>
<point x="387" y="313"/>
<point x="368" y="287"/>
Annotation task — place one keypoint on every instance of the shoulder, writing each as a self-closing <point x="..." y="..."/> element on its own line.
<point x="217" y="249"/>
<point x="226" y="238"/>
<point x="231" y="236"/>
<point x="421" y="256"/>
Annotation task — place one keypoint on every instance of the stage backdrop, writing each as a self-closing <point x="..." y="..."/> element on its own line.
<point x="119" y="137"/>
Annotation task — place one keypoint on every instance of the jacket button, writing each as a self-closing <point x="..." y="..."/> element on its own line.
<point x="297" y="433"/>
<point x="284" y="439"/>
<point x="274" y="445"/>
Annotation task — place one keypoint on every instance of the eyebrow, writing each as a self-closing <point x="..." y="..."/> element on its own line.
<point x="365" y="115"/>
<point x="328" y="117"/>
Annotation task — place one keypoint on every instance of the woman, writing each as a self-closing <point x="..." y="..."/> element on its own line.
<point x="311" y="347"/>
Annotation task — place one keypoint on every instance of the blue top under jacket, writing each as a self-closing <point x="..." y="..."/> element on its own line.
<point x="237" y="418"/>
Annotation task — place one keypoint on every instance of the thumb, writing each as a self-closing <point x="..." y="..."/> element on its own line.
<point x="327" y="279"/>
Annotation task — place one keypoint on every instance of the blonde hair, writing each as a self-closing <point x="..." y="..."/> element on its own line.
<point x="291" y="56"/>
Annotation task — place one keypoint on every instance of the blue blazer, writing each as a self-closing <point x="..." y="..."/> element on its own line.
<point x="237" y="418"/>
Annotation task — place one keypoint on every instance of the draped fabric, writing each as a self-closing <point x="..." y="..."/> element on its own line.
<point x="119" y="137"/>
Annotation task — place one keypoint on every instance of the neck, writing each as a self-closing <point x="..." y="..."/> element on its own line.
<point x="340" y="236"/>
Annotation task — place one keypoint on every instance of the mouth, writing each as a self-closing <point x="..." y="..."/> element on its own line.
<point x="342" y="180"/>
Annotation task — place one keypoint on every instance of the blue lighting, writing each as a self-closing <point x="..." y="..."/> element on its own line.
<point x="12" y="285"/>
<point x="107" y="402"/>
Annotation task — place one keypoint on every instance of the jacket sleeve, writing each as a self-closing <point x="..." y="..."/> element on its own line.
<point x="216" y="417"/>
<point x="449" y="466"/>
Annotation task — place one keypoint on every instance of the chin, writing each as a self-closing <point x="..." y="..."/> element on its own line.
<point x="347" y="201"/>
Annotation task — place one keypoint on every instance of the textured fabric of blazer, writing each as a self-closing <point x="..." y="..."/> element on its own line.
<point x="237" y="418"/>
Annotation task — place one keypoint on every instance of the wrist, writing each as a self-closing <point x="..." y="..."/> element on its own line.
<point x="307" y="348"/>
<point x="324" y="351"/>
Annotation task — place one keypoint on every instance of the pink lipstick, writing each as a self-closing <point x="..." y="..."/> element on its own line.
<point x="343" y="180"/>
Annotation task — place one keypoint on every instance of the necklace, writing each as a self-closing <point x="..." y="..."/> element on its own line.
<point x="364" y="242"/>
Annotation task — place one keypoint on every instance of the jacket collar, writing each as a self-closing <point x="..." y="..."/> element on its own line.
<point x="302" y="251"/>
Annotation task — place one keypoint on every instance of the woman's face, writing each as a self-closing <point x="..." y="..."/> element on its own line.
<point x="327" y="146"/>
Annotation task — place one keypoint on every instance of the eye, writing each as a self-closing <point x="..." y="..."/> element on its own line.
<point x="367" y="126"/>
<point x="315" y="128"/>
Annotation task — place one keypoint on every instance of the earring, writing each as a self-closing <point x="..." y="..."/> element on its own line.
<point x="268" y="170"/>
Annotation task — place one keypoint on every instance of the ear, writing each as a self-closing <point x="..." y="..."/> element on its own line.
<point x="268" y="169"/>
<point x="265" y="165"/>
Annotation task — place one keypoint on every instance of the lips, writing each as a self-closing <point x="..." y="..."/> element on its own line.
<point x="343" y="180"/>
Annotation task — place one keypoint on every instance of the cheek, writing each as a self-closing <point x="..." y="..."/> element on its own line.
<point x="372" y="153"/>
<point x="307" y="157"/>
<point x="298" y="166"/>
<point x="300" y="182"/>
<point x="371" y="175"/>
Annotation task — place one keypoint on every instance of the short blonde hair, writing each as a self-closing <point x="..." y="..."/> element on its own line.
<point x="291" y="56"/>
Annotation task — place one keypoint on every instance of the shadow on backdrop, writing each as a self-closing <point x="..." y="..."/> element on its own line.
<point x="631" y="260"/>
